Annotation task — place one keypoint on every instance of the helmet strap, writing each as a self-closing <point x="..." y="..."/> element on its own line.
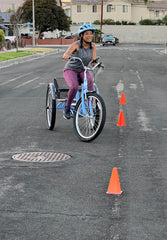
<point x="86" y="42"/>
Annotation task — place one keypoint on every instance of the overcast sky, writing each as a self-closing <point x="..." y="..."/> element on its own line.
<point x="5" y="4"/>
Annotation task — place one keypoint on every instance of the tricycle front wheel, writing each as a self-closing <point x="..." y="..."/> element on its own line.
<point x="89" y="125"/>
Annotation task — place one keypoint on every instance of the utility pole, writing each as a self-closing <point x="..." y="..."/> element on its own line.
<point x="60" y="3"/>
<point x="101" y="22"/>
<point x="33" y="17"/>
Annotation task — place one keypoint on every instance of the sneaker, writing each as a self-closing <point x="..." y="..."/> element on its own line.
<point x="67" y="113"/>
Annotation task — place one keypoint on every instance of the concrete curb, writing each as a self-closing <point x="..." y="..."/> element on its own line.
<point x="19" y="60"/>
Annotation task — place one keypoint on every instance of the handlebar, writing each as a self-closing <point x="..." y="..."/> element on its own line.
<point x="98" y="64"/>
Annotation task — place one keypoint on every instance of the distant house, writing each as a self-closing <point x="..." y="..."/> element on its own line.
<point x="157" y="9"/>
<point x="3" y="28"/>
<point x="66" y="5"/>
<point x="5" y="24"/>
<point x="5" y="17"/>
<point x="87" y="11"/>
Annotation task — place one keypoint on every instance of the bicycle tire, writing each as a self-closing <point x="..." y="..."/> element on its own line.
<point x="87" y="127"/>
<point x="50" y="109"/>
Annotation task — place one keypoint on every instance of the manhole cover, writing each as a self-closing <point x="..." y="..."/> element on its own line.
<point x="41" y="157"/>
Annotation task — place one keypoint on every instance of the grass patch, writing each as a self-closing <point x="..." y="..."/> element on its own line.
<point x="11" y="55"/>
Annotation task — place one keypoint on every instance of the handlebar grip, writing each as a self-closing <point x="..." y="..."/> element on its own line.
<point x="95" y="60"/>
<point x="101" y="65"/>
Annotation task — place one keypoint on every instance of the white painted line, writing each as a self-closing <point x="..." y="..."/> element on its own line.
<point x="14" y="79"/>
<point x="140" y="80"/>
<point x="143" y="121"/>
<point x="119" y="87"/>
<point x="164" y="129"/>
<point x="39" y="85"/>
<point x="133" y="86"/>
<point x="25" y="83"/>
<point x="36" y="87"/>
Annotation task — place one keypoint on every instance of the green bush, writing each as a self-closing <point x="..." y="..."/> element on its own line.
<point x="98" y="31"/>
<point x="124" y="22"/>
<point x="96" y="22"/>
<point x="165" y="20"/>
<point x="146" y="22"/>
<point x="159" y="22"/>
<point x="131" y="23"/>
<point x="97" y="35"/>
<point x="108" y="21"/>
<point x="116" y="40"/>
<point x="118" y="23"/>
<point x="2" y="38"/>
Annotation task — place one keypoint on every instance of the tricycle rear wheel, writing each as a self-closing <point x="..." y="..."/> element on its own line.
<point x="50" y="109"/>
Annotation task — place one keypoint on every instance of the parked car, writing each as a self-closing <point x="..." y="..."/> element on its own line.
<point x="108" y="39"/>
<point x="70" y="36"/>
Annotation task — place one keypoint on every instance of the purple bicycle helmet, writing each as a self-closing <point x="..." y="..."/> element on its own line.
<point x="84" y="28"/>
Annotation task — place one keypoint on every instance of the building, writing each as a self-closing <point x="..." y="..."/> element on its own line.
<point x="5" y="24"/>
<point x="5" y="18"/>
<point x="157" y="9"/>
<point x="87" y="11"/>
<point x="66" y="4"/>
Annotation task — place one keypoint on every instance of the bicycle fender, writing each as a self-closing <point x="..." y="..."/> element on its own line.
<point x="53" y="90"/>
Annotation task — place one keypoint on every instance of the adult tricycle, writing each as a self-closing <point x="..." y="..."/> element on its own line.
<point x="87" y="110"/>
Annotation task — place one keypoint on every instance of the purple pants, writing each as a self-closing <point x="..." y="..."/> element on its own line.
<point x="71" y="78"/>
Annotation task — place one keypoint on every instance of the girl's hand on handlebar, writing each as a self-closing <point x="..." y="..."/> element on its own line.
<point x="94" y="61"/>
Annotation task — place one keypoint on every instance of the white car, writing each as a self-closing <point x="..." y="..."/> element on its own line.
<point x="108" y="39"/>
<point x="11" y="38"/>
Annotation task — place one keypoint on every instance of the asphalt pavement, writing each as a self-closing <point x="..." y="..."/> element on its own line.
<point x="58" y="191"/>
<point x="43" y="54"/>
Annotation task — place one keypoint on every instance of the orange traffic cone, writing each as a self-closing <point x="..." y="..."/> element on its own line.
<point x="122" y="100"/>
<point x="121" y="119"/>
<point x="114" y="184"/>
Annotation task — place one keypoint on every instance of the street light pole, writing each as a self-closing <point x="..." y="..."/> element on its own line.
<point x="33" y="17"/>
